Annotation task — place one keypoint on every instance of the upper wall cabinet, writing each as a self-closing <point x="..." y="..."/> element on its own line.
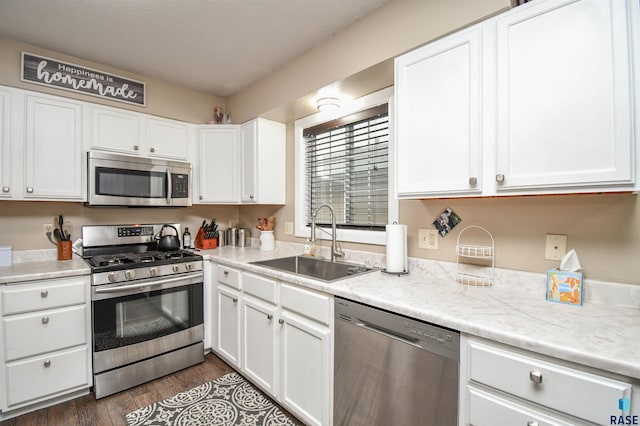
<point x="5" y="144"/>
<point x="218" y="161"/>
<point x="133" y="133"/>
<point x="53" y="149"/>
<point x="438" y="113"/>
<point x="537" y="100"/>
<point x="263" y="165"/>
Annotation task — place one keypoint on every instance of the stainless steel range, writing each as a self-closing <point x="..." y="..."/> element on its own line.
<point x="147" y="306"/>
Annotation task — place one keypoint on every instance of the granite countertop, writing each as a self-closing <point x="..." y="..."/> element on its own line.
<point x="602" y="333"/>
<point x="41" y="266"/>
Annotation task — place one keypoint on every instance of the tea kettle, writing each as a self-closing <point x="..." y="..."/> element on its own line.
<point x="168" y="242"/>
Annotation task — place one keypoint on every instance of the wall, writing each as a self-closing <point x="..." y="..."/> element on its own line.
<point x="163" y="99"/>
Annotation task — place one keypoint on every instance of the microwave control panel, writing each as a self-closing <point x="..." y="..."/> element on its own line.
<point x="179" y="185"/>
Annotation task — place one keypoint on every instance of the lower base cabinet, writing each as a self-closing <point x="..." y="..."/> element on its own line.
<point x="500" y="385"/>
<point x="279" y="336"/>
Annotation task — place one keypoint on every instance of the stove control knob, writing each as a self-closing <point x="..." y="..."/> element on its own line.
<point x="153" y="272"/>
<point x="188" y="266"/>
<point x="176" y="268"/>
<point x="130" y="274"/>
<point x="112" y="277"/>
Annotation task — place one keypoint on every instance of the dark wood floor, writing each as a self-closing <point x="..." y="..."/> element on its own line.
<point x="86" y="411"/>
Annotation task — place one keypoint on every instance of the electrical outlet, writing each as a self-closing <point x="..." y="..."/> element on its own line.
<point x="47" y="228"/>
<point x="556" y="247"/>
<point x="288" y="228"/>
<point x="428" y="238"/>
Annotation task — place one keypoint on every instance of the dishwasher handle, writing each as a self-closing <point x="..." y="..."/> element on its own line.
<point x="404" y="339"/>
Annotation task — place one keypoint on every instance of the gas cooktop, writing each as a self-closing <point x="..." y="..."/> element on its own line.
<point x="118" y="261"/>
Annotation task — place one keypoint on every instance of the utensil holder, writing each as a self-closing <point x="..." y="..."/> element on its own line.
<point x="205" y="244"/>
<point x="267" y="241"/>
<point x="64" y="250"/>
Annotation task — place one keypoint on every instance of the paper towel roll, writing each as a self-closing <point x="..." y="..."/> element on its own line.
<point x="396" y="248"/>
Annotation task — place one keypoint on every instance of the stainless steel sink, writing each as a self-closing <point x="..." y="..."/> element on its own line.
<point x="316" y="268"/>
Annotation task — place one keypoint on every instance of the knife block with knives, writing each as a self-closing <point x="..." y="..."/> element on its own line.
<point x="207" y="236"/>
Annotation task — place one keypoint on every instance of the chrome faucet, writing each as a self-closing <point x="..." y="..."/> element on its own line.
<point x="335" y="250"/>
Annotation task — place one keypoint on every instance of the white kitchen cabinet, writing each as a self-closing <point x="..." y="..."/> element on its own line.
<point x="228" y="324"/>
<point x="45" y="342"/>
<point x="565" y="99"/>
<point x="439" y="117"/>
<point x="54" y="166"/>
<point x="218" y="165"/>
<point x="6" y="183"/>
<point x="263" y="162"/>
<point x="260" y="361"/>
<point x="537" y="100"/>
<point x="500" y="385"/>
<point x="166" y="138"/>
<point x="128" y="132"/>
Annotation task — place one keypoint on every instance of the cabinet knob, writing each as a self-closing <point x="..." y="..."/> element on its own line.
<point x="136" y="147"/>
<point x="500" y="178"/>
<point x="152" y="149"/>
<point x="269" y="317"/>
<point x="44" y="293"/>
<point x="226" y="273"/>
<point x="473" y="181"/>
<point x="6" y="189"/>
<point x="535" y="376"/>
<point x="235" y="300"/>
<point x="251" y="196"/>
<point x="30" y="189"/>
<point x="281" y="321"/>
<point x="47" y="364"/>
<point x="45" y="320"/>
<point x="200" y="197"/>
<point x="532" y="423"/>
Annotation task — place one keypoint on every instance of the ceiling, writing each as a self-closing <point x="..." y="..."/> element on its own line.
<point x="217" y="47"/>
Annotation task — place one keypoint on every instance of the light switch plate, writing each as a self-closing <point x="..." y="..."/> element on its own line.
<point x="288" y="228"/>
<point x="428" y="238"/>
<point x="556" y="247"/>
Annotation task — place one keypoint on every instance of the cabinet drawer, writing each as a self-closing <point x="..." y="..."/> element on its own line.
<point x="568" y="390"/>
<point x="46" y="375"/>
<point x="228" y="276"/>
<point x="41" y="295"/>
<point x="40" y="332"/>
<point x="308" y="303"/>
<point x="486" y="409"/>
<point x="261" y="287"/>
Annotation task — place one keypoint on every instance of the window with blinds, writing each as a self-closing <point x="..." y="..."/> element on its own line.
<point x="347" y="164"/>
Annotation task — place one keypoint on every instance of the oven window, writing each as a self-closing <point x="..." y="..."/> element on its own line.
<point x="130" y="183"/>
<point x="126" y="320"/>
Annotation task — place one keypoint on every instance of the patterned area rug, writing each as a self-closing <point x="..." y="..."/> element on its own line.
<point x="229" y="400"/>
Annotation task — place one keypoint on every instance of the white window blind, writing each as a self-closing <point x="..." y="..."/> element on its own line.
<point x="347" y="167"/>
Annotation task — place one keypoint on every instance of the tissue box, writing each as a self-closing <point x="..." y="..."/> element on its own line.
<point x="5" y="255"/>
<point x="564" y="287"/>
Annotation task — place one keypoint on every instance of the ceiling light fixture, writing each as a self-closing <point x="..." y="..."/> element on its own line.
<point x="328" y="103"/>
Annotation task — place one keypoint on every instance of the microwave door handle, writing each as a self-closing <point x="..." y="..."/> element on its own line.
<point x="168" y="185"/>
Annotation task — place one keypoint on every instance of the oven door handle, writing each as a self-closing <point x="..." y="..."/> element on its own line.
<point x="155" y="283"/>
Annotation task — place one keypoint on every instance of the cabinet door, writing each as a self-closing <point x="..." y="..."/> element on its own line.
<point x="166" y="139"/>
<point x="438" y="117"/>
<point x="5" y="144"/>
<point x="249" y="135"/>
<point x="219" y="179"/>
<point x="306" y="370"/>
<point x="229" y="325"/>
<point x="259" y="343"/>
<point x="564" y="95"/>
<point x="53" y="149"/>
<point x="114" y="130"/>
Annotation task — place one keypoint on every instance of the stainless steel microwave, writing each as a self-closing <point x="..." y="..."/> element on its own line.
<point x="121" y="180"/>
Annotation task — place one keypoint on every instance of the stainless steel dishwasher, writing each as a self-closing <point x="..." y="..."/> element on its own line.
<point x="393" y="370"/>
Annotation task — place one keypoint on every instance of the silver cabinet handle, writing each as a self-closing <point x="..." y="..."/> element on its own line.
<point x="226" y="273"/>
<point x="535" y="376"/>
<point x="473" y="181"/>
<point x="251" y="196"/>
<point x="201" y="197"/>
<point x="152" y="149"/>
<point x="136" y="147"/>
<point x="269" y="316"/>
<point x="280" y="321"/>
<point x="500" y="178"/>
<point x="44" y="293"/>
<point x="30" y="189"/>
<point x="47" y="364"/>
<point x="235" y="300"/>
<point x="532" y="423"/>
<point x="45" y="320"/>
<point x="6" y="189"/>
